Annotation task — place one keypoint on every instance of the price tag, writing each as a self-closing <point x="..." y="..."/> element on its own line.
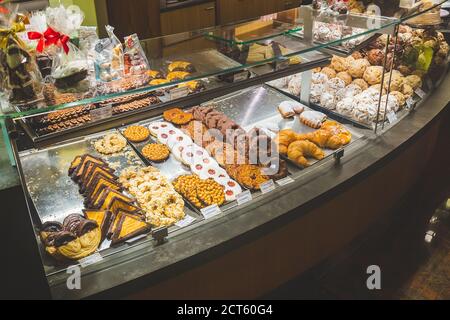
<point x="131" y="241"/>
<point x="244" y="197"/>
<point x="185" y="222"/>
<point x="101" y="113"/>
<point x="420" y="93"/>
<point x="241" y="76"/>
<point x="178" y="93"/>
<point x="285" y="181"/>
<point x="410" y="103"/>
<point x="392" y="117"/>
<point x="267" y="187"/>
<point x="92" y="259"/>
<point x="211" y="211"/>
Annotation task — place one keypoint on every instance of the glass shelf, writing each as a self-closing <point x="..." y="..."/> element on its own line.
<point x="212" y="57"/>
<point x="422" y="10"/>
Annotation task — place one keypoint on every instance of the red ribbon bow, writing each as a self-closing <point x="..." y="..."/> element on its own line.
<point x="49" y="37"/>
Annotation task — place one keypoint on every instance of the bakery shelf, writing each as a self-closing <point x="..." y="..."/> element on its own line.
<point x="212" y="58"/>
<point x="420" y="10"/>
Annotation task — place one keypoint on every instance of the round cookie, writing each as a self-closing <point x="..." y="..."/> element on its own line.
<point x="137" y="134"/>
<point x="156" y="152"/>
<point x="170" y="114"/>
<point x="156" y="127"/>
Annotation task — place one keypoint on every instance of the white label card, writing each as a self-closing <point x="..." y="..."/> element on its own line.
<point x="410" y="102"/>
<point x="244" y="197"/>
<point x="241" y="76"/>
<point x="178" y="93"/>
<point x="267" y="187"/>
<point x="188" y="220"/>
<point x="285" y="181"/>
<point x="92" y="259"/>
<point x="101" y="113"/>
<point x="420" y="93"/>
<point x="211" y="211"/>
<point x="392" y="117"/>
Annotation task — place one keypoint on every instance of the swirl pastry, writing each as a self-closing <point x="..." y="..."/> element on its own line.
<point x="313" y="119"/>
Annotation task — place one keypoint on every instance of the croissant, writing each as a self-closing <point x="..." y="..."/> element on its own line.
<point x="284" y="139"/>
<point x="332" y="135"/>
<point x="298" y="152"/>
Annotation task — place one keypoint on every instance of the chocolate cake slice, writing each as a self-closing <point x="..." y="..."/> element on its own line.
<point x="103" y="219"/>
<point x="128" y="228"/>
<point x="97" y="170"/>
<point x="81" y="167"/>
<point x="98" y="185"/>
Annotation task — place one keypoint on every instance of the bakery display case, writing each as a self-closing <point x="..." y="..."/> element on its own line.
<point x="138" y="146"/>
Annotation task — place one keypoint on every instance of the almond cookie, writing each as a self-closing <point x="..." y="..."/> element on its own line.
<point x="156" y="152"/>
<point x="136" y="133"/>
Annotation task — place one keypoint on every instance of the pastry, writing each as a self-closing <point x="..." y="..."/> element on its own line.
<point x="358" y="67"/>
<point x="201" y="193"/>
<point x="339" y="64"/>
<point x="375" y="57"/>
<point x="177" y="76"/>
<point x="73" y="240"/>
<point x="313" y="119"/>
<point x="361" y="83"/>
<point x="332" y="135"/>
<point x="295" y="85"/>
<point x="289" y="109"/>
<point x="158" y="82"/>
<point x="284" y="139"/>
<point x="181" y="66"/>
<point x="329" y="72"/>
<point x="102" y="218"/>
<point x="78" y="171"/>
<point x="389" y="104"/>
<point x="182" y="118"/>
<point x="345" y="76"/>
<point x="193" y="86"/>
<point x="170" y="114"/>
<point x="348" y="92"/>
<point x="136" y="134"/>
<point x="154" y="74"/>
<point x="334" y="85"/>
<point x="162" y="205"/>
<point x="299" y="151"/>
<point x="110" y="144"/>
<point x="316" y="92"/>
<point x="157" y="127"/>
<point x="128" y="227"/>
<point x="414" y="81"/>
<point x="231" y="189"/>
<point x="320" y="78"/>
<point x="373" y="75"/>
<point x="156" y="152"/>
<point x="396" y="83"/>
<point x="250" y="176"/>
<point x="400" y="98"/>
<point x="345" y="107"/>
<point x="407" y="90"/>
<point x="328" y="100"/>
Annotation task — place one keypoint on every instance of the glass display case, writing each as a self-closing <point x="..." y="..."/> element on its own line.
<point x="218" y="119"/>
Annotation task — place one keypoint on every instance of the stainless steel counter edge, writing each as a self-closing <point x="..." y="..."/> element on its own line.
<point x="143" y="266"/>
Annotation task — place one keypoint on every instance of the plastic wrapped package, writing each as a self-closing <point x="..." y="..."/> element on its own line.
<point x="21" y="79"/>
<point x="135" y="60"/>
<point x="109" y="58"/>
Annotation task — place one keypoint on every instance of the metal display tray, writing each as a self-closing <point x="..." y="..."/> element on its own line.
<point x="257" y="107"/>
<point x="171" y="168"/>
<point x="55" y="195"/>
